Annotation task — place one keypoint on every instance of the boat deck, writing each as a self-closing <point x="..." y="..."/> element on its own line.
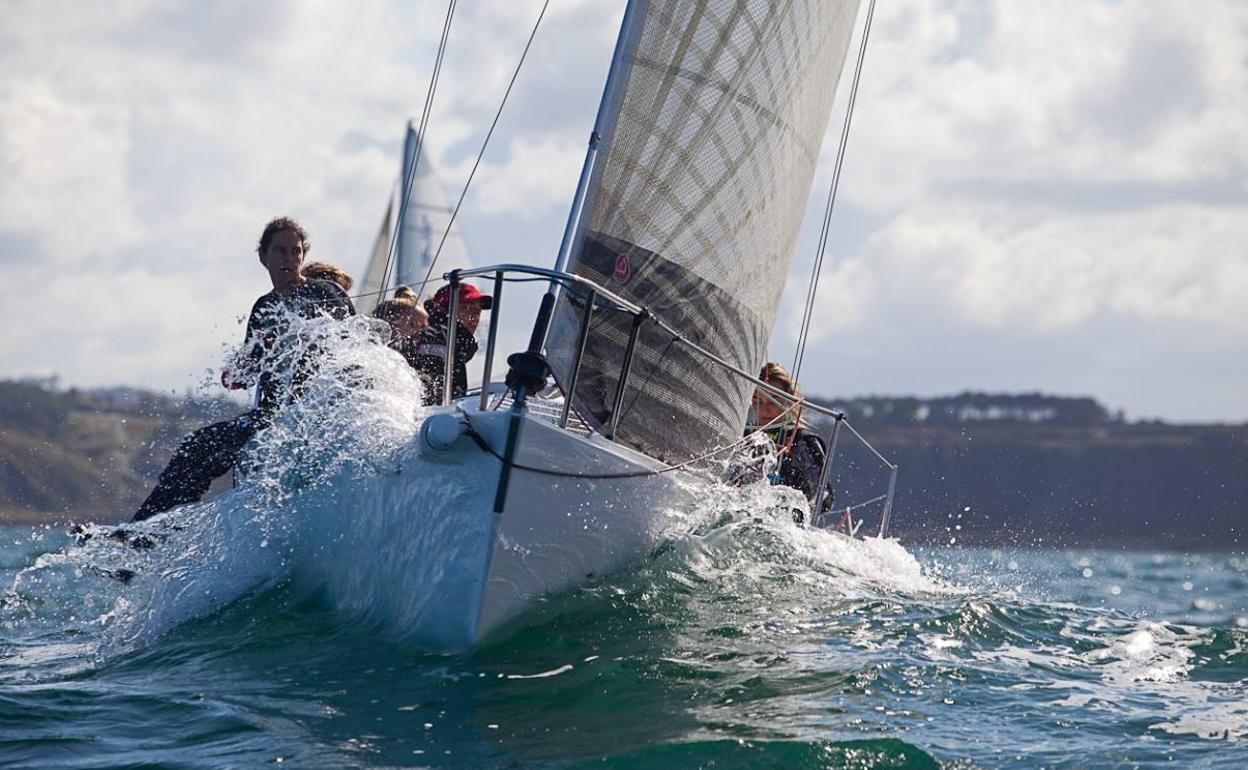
<point x="546" y="409"/>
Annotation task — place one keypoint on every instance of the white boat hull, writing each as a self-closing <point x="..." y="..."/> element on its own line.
<point x="433" y="563"/>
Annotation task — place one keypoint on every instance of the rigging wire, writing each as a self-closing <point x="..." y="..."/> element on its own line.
<point x="813" y="288"/>
<point x="451" y="222"/>
<point x="409" y="179"/>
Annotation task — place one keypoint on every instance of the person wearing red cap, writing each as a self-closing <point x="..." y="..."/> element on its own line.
<point x="429" y="357"/>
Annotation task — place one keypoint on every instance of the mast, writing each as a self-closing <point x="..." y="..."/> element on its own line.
<point x="604" y="125"/>
<point x="407" y="182"/>
<point x="528" y="370"/>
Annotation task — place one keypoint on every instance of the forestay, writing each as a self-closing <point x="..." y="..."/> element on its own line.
<point x="711" y="132"/>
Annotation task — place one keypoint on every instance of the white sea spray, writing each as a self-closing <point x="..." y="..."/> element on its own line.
<point x="354" y="413"/>
<point x="295" y="518"/>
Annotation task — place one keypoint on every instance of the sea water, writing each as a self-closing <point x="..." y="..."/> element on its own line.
<point x="742" y="640"/>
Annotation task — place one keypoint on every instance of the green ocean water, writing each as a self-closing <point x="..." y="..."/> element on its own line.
<point x="736" y="644"/>
<point x="740" y="641"/>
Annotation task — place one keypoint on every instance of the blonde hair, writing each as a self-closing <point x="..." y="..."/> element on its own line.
<point x="321" y="271"/>
<point x="777" y="376"/>
<point x="404" y="301"/>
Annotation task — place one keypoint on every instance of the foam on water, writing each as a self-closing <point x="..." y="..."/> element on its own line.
<point x="294" y="518"/>
<point x="748" y="531"/>
<point x="764" y="595"/>
<point x="739" y="629"/>
<point x="359" y="409"/>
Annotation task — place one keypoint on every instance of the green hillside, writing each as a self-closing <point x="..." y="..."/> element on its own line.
<point x="87" y="455"/>
<point x="976" y="468"/>
<point x="1036" y="470"/>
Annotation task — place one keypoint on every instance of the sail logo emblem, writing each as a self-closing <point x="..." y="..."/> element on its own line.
<point x="623" y="269"/>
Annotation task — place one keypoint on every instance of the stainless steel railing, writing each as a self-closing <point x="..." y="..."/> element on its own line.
<point x="595" y="297"/>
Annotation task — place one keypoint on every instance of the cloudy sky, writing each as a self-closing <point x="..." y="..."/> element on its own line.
<point x="1038" y="195"/>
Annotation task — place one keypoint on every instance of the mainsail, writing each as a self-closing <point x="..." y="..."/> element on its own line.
<point x="419" y="224"/>
<point x="711" y="133"/>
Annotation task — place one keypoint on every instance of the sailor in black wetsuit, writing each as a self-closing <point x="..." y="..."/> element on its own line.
<point x="799" y="451"/>
<point x="278" y="368"/>
<point x="428" y="357"/>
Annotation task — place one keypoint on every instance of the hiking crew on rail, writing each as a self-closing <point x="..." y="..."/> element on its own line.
<point x="270" y="358"/>
<point x="799" y="451"/>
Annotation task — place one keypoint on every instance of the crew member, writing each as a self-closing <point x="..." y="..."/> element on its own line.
<point x="800" y="452"/>
<point x="430" y="353"/>
<point x="323" y="271"/>
<point x="269" y="359"/>
<point x="406" y="318"/>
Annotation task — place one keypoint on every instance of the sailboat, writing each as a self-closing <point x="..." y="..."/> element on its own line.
<point x="417" y="215"/>
<point x="641" y="364"/>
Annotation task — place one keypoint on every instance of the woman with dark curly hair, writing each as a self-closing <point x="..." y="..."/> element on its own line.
<point x="266" y="360"/>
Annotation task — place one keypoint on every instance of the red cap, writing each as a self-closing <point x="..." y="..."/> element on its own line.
<point x="467" y="293"/>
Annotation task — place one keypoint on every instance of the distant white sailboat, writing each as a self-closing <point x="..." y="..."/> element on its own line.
<point x="419" y="211"/>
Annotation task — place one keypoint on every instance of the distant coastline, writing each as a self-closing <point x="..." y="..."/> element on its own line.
<point x="88" y="455"/>
<point x="1046" y="471"/>
<point x="1021" y="470"/>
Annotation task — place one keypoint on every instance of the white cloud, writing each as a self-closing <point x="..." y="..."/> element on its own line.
<point x="971" y="266"/>
<point x="536" y="177"/>
<point x="129" y="326"/>
<point x="1079" y="93"/>
<point x="1044" y="176"/>
<point x="1038" y="170"/>
<point x="63" y="180"/>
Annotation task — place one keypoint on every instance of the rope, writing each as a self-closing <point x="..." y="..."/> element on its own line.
<point x="484" y="445"/>
<point x="450" y="222"/>
<point x="813" y="288"/>
<point x="410" y="178"/>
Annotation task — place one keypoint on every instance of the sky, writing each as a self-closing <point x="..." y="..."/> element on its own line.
<point x="1037" y="195"/>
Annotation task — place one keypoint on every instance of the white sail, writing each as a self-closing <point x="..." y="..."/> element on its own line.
<point x="421" y="226"/>
<point x="374" y="273"/>
<point x="698" y="189"/>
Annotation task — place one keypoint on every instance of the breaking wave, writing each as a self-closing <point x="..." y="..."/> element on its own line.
<point x="740" y="639"/>
<point x="291" y="520"/>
